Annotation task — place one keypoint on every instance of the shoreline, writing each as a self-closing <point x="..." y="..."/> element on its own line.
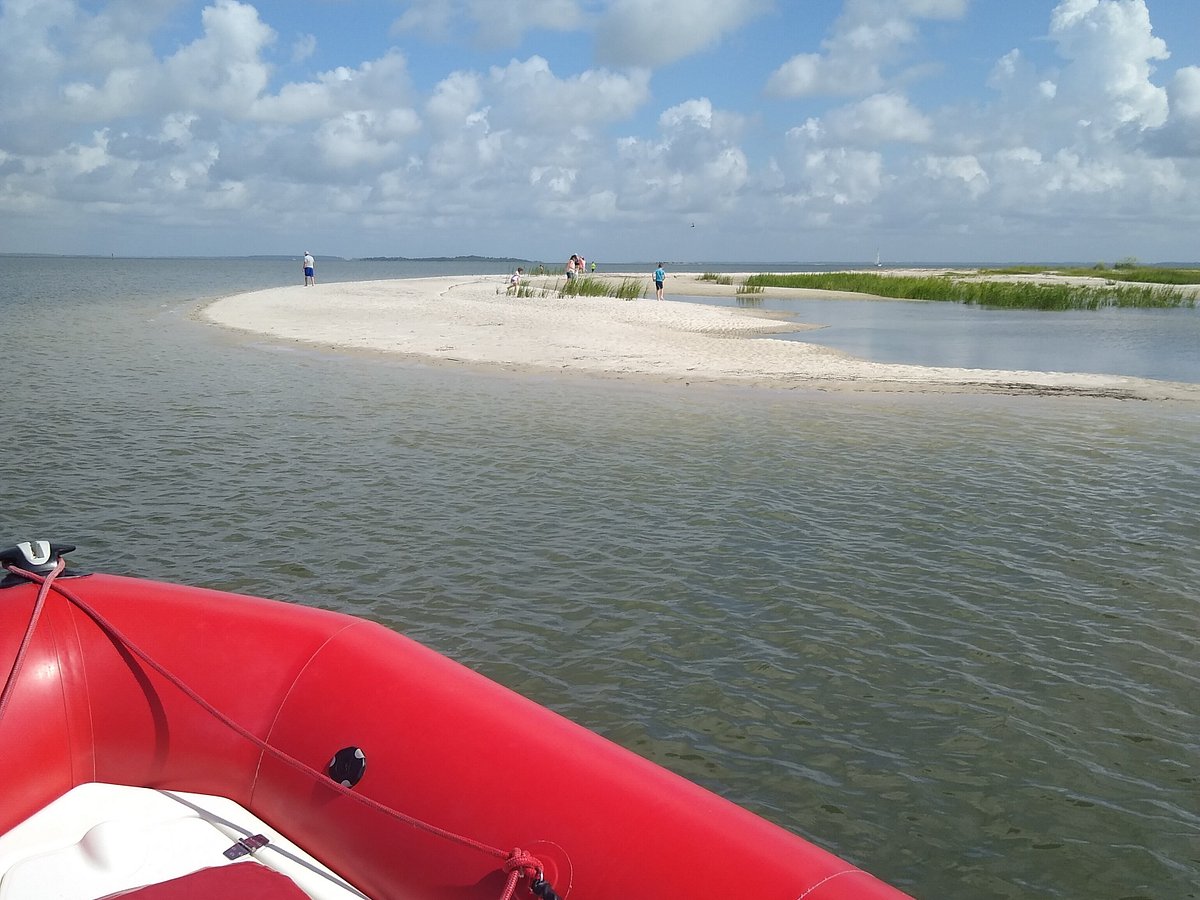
<point x="470" y="321"/>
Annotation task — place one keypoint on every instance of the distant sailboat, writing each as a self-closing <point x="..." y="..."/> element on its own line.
<point x="878" y="264"/>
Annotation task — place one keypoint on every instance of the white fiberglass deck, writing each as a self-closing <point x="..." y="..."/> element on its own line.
<point x="101" y="839"/>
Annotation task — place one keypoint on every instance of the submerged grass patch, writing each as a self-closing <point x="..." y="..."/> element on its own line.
<point x="1000" y="295"/>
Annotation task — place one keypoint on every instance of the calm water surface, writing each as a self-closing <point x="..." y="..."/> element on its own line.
<point x="953" y="639"/>
<point x="1163" y="344"/>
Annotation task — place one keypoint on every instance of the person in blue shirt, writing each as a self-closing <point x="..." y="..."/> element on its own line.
<point x="659" y="277"/>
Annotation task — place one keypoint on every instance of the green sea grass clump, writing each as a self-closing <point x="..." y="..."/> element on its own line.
<point x="1121" y="271"/>
<point x="586" y="286"/>
<point x="631" y="289"/>
<point x="994" y="294"/>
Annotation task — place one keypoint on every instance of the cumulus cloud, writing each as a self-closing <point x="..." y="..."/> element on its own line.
<point x="1089" y="131"/>
<point x="694" y="166"/>
<point x="964" y="172"/>
<point x="1110" y="49"/>
<point x="364" y="137"/>
<point x="1082" y="119"/>
<point x="529" y="90"/>
<point x="456" y="100"/>
<point x="221" y="71"/>
<point x="878" y="119"/>
<point x="382" y="85"/>
<point x="1180" y="136"/>
<point x="869" y="36"/>
<point x="656" y="32"/>
<point x="1100" y="99"/>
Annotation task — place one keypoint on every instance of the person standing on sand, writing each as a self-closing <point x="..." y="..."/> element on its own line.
<point x="310" y="269"/>
<point x="571" y="267"/>
<point x="659" y="277"/>
<point x="514" y="283"/>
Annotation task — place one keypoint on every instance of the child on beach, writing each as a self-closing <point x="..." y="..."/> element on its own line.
<point x="660" y="276"/>
<point x="515" y="281"/>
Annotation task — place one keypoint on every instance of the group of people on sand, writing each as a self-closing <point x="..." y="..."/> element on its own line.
<point x="577" y="265"/>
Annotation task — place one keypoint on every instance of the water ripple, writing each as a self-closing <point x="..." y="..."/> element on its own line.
<point x="953" y="639"/>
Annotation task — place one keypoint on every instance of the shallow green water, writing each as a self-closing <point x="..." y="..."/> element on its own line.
<point x="953" y="639"/>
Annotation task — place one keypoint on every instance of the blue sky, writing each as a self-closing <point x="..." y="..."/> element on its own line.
<point x="689" y="130"/>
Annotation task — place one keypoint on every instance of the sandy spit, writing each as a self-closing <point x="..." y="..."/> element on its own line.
<point x="469" y="320"/>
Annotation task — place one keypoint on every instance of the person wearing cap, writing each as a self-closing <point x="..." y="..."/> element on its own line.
<point x="310" y="269"/>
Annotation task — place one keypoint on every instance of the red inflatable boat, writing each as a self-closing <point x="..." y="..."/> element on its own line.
<point x="160" y="741"/>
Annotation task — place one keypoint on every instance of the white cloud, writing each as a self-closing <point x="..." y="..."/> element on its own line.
<point x="380" y="85"/>
<point x="964" y="171"/>
<point x="177" y="129"/>
<point x="878" y="119"/>
<point x="823" y="177"/>
<point x="1109" y="47"/>
<point x="692" y="112"/>
<point x="304" y="47"/>
<point x="528" y="93"/>
<point x="1180" y="137"/>
<point x="487" y="21"/>
<point x="656" y="32"/>
<point x="1185" y="93"/>
<point x="103" y="112"/>
<point x="869" y="36"/>
<point x="364" y="137"/>
<point x="456" y="100"/>
<point x="1079" y="138"/>
<point x="221" y="71"/>
<point x="695" y="167"/>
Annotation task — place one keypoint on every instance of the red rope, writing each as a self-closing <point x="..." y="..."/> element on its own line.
<point x="518" y="863"/>
<point x="11" y="682"/>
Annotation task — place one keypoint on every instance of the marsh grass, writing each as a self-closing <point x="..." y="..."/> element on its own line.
<point x="587" y="286"/>
<point x="631" y="289"/>
<point x="715" y="278"/>
<point x="1119" y="272"/>
<point x="999" y="295"/>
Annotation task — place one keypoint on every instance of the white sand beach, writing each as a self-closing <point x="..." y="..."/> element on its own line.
<point x="469" y="320"/>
